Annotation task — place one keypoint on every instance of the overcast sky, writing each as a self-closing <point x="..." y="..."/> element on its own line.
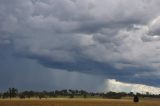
<point x="79" y="44"/>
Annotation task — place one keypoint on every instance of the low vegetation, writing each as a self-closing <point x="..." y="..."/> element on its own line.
<point x="13" y="93"/>
<point x="76" y="102"/>
<point x="75" y="98"/>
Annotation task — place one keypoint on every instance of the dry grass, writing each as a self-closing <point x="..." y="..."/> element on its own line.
<point x="77" y="102"/>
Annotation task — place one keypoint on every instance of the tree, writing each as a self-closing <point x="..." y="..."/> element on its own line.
<point x="131" y="94"/>
<point x="22" y="96"/>
<point x="0" y="95"/>
<point x="13" y="92"/>
<point x="85" y="95"/>
<point x="42" y="95"/>
<point x="28" y="94"/>
<point x="5" y="95"/>
<point x="71" y="96"/>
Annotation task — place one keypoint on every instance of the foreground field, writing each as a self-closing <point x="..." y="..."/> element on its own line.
<point x="77" y="102"/>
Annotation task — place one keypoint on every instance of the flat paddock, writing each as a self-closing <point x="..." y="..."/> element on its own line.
<point x="77" y="102"/>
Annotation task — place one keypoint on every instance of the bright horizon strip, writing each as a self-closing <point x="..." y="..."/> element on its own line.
<point x="117" y="86"/>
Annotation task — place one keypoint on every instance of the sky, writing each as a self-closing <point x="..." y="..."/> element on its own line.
<point x="95" y="45"/>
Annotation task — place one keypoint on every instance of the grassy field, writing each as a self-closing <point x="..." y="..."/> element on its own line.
<point x="77" y="102"/>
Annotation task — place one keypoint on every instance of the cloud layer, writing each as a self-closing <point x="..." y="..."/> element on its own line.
<point x="118" y="39"/>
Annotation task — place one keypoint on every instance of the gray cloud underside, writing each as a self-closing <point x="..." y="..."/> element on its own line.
<point x="115" y="38"/>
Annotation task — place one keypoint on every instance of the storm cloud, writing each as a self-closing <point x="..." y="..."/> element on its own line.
<point x="116" y="39"/>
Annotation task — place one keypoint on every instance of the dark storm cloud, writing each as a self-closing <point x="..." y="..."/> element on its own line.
<point x="26" y="74"/>
<point x="114" y="38"/>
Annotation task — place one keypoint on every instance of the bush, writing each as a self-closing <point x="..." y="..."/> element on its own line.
<point x="136" y="99"/>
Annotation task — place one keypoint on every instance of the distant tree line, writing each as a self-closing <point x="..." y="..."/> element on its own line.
<point x="13" y="93"/>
